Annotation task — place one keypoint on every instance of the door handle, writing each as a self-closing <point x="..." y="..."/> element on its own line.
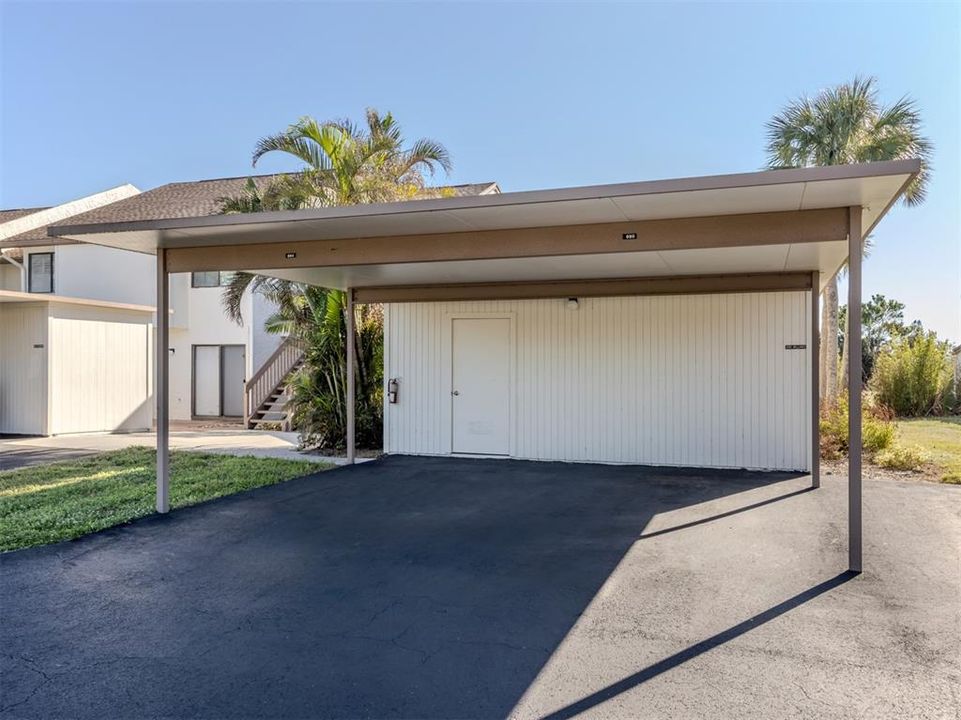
<point x="455" y="392"/>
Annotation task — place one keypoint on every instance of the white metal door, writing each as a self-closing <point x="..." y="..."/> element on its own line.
<point x="232" y="381"/>
<point x="23" y="369"/>
<point x="207" y="380"/>
<point x="480" y="385"/>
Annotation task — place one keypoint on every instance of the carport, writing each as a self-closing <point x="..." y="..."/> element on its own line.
<point x="777" y="234"/>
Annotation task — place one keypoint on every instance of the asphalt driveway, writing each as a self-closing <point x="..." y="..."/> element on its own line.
<point x="442" y="588"/>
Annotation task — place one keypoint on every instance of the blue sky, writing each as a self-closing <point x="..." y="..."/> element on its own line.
<point x="530" y="95"/>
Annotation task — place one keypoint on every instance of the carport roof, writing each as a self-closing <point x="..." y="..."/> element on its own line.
<point x="587" y="212"/>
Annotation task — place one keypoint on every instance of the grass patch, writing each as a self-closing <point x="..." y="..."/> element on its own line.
<point x="940" y="438"/>
<point x="60" y="501"/>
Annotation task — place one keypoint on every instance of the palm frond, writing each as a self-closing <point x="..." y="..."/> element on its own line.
<point x="232" y="295"/>
<point x="427" y="153"/>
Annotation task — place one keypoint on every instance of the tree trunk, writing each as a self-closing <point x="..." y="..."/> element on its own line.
<point x="822" y="366"/>
<point x="844" y="352"/>
<point x="829" y="343"/>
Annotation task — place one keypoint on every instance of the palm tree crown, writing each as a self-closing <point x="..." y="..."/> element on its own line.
<point x="846" y="124"/>
<point x="346" y="164"/>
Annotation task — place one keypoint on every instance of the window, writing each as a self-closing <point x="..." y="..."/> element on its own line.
<point x="41" y="273"/>
<point x="211" y="278"/>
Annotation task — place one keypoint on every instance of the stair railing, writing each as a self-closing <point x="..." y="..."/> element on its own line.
<point x="269" y="377"/>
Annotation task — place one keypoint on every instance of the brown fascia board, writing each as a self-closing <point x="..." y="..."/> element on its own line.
<point x="618" y="287"/>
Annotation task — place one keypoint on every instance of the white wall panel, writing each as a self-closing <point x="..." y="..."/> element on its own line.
<point x="700" y="380"/>
<point x="99" y="365"/>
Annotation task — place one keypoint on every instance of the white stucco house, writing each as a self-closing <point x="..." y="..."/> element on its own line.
<point x="76" y="329"/>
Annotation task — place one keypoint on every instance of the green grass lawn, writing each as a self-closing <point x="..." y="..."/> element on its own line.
<point x="60" y="501"/>
<point x="941" y="438"/>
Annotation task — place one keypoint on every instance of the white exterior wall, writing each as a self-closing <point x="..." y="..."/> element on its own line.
<point x="99" y="366"/>
<point x="10" y="277"/>
<point x="23" y="368"/>
<point x="198" y="319"/>
<point x="683" y="380"/>
<point x="205" y="324"/>
<point x="100" y="273"/>
<point x="262" y="343"/>
<point x="67" y="368"/>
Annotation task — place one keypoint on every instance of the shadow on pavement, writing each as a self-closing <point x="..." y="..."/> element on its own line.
<point x="403" y="587"/>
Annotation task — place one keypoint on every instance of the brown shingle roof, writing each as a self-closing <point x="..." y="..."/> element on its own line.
<point x="202" y="197"/>
<point x="181" y="200"/>
<point x="36" y="236"/>
<point x="8" y="215"/>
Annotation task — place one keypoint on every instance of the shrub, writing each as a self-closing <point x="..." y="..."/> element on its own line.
<point x="877" y="430"/>
<point x="913" y="375"/>
<point x="876" y="435"/>
<point x="952" y="478"/>
<point x="901" y="457"/>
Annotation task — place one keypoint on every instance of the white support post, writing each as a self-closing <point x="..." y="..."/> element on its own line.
<point x="854" y="389"/>
<point x="351" y="376"/>
<point x="162" y="387"/>
<point x="815" y="355"/>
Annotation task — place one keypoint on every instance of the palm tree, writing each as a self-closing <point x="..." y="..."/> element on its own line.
<point x="841" y="125"/>
<point x="343" y="165"/>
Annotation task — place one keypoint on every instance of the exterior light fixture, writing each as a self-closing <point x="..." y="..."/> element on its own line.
<point x="572" y="304"/>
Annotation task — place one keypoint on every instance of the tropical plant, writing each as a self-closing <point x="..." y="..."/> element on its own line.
<point x="275" y="193"/>
<point x="346" y="165"/>
<point x="913" y="375"/>
<point x="841" y="125"/>
<point x="316" y="318"/>
<point x="343" y="164"/>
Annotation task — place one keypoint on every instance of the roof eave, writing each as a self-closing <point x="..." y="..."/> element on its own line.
<point x="910" y="167"/>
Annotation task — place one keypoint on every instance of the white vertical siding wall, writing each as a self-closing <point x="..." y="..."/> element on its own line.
<point x="23" y="368"/>
<point x="99" y="370"/>
<point x="699" y="380"/>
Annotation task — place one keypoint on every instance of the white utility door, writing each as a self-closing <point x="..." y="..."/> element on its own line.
<point x="234" y="370"/>
<point x="207" y="380"/>
<point x="481" y="385"/>
<point x="23" y="369"/>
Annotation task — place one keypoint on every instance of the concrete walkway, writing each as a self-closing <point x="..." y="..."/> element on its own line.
<point x="21" y="451"/>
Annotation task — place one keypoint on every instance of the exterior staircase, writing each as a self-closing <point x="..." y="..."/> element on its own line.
<point x="265" y="394"/>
